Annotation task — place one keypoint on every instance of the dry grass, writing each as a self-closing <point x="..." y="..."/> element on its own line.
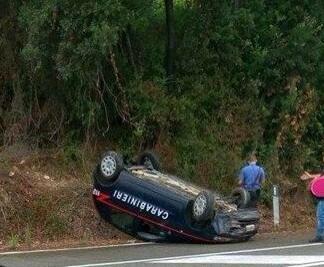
<point x="294" y="216"/>
<point x="41" y="205"/>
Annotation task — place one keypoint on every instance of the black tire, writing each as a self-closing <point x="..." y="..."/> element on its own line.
<point x="203" y="207"/>
<point x="150" y="160"/>
<point x="241" y="197"/>
<point x="110" y="166"/>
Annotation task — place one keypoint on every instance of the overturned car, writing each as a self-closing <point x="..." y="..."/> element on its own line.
<point x="144" y="202"/>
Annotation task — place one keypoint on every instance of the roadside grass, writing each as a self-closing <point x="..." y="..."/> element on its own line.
<point x="13" y="241"/>
<point x="45" y="198"/>
<point x="28" y="236"/>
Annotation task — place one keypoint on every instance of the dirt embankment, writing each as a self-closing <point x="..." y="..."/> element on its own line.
<point x="44" y="203"/>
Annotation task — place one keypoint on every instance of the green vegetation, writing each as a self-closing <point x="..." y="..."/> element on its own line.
<point x="248" y="76"/>
<point x="13" y="241"/>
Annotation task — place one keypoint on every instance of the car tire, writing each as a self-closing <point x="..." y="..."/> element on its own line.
<point x="111" y="164"/>
<point x="150" y="160"/>
<point x="241" y="197"/>
<point x="203" y="206"/>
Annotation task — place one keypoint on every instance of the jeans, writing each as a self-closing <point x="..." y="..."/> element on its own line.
<point x="320" y="219"/>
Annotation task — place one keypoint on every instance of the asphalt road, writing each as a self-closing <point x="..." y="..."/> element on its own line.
<point x="291" y="250"/>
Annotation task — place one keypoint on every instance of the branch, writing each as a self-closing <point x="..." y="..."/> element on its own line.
<point x="125" y="111"/>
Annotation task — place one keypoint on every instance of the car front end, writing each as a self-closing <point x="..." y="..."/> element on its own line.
<point x="241" y="224"/>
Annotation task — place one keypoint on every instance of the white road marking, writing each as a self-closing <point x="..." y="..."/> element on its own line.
<point x="248" y="259"/>
<point x="193" y="256"/>
<point x="77" y="248"/>
<point x="309" y="264"/>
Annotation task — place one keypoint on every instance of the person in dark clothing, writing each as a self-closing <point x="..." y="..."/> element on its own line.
<point x="319" y="237"/>
<point x="251" y="178"/>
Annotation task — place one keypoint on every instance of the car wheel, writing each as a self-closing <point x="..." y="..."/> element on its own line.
<point x="110" y="166"/>
<point x="203" y="206"/>
<point x="150" y="160"/>
<point x="241" y="197"/>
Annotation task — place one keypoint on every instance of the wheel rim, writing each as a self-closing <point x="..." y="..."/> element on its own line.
<point x="199" y="205"/>
<point x="108" y="165"/>
<point x="148" y="163"/>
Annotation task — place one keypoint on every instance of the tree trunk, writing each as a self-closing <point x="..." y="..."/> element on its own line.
<point x="170" y="46"/>
<point x="237" y="4"/>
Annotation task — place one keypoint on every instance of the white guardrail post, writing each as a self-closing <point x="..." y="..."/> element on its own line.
<point x="275" y="197"/>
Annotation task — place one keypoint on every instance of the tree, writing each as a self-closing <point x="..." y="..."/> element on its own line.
<point x="170" y="46"/>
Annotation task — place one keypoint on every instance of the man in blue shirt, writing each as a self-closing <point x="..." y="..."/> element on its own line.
<point x="251" y="178"/>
